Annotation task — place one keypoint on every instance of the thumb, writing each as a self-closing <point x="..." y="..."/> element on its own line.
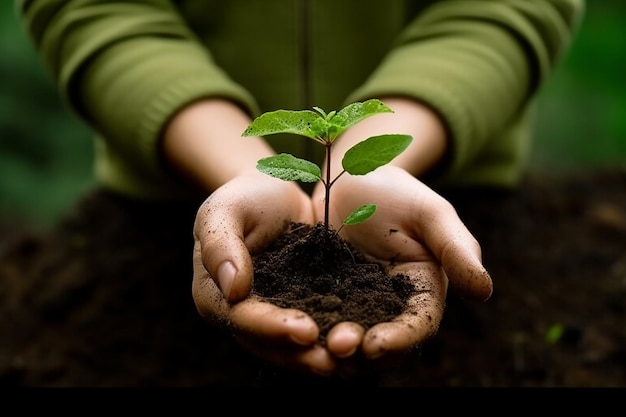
<point x="466" y="274"/>
<point x="459" y="253"/>
<point x="224" y="254"/>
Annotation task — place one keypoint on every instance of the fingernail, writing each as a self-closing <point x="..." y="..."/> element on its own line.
<point x="347" y="353"/>
<point x="225" y="276"/>
<point x="299" y="341"/>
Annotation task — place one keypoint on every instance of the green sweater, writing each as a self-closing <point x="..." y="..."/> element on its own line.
<point x="126" y="67"/>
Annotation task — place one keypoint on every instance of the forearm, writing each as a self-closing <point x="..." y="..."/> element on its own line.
<point x="429" y="145"/>
<point x="203" y="143"/>
<point x="479" y="65"/>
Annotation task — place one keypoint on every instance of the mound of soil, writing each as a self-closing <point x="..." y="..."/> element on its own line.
<point x="104" y="298"/>
<point x="314" y="270"/>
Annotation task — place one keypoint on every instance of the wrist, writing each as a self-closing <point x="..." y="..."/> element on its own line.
<point x="203" y="143"/>
<point x="430" y="141"/>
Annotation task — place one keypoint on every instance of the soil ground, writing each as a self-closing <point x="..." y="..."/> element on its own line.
<point x="103" y="299"/>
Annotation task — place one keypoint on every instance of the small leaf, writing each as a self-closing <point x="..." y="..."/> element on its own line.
<point x="360" y="215"/>
<point x="554" y="333"/>
<point x="289" y="168"/>
<point x="374" y="152"/>
<point x="354" y="113"/>
<point x="320" y="127"/>
<point x="299" y="122"/>
<point x="320" y="111"/>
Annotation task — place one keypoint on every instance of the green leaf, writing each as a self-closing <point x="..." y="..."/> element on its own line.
<point x="374" y="152"/>
<point x="354" y="113"/>
<point x="360" y="215"/>
<point x="320" y="111"/>
<point x="299" y="122"/>
<point x="289" y="168"/>
<point x="554" y="333"/>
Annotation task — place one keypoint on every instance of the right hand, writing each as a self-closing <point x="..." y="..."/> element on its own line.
<point x="415" y="232"/>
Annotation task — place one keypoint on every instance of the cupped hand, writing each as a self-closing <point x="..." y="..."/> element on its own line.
<point x="234" y="223"/>
<point x="415" y="232"/>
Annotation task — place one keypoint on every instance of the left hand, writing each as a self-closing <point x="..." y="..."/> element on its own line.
<point x="236" y="221"/>
<point x="420" y="231"/>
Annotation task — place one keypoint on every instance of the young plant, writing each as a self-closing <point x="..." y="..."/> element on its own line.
<point x="324" y="128"/>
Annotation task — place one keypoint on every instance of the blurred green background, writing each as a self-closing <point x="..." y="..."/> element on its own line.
<point x="46" y="152"/>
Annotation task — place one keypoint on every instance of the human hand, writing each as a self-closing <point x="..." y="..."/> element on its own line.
<point x="421" y="233"/>
<point x="234" y="223"/>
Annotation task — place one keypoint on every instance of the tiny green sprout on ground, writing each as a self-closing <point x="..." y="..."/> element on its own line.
<point x="324" y="128"/>
<point x="554" y="333"/>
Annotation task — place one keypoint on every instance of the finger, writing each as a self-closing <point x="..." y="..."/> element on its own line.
<point x="285" y="337"/>
<point x="303" y="360"/>
<point x="276" y="325"/>
<point x="455" y="247"/>
<point x="344" y="340"/>
<point x="208" y="298"/>
<point x="420" y="320"/>
<point x="222" y="252"/>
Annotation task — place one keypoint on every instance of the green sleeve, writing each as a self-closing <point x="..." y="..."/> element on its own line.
<point x="125" y="67"/>
<point x="478" y="63"/>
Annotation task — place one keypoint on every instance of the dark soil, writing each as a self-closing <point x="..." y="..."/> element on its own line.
<point x="314" y="270"/>
<point x="104" y="298"/>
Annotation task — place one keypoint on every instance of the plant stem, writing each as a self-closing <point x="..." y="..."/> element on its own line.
<point x="327" y="185"/>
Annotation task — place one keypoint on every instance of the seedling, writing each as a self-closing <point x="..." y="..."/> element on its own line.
<point x="324" y="128"/>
